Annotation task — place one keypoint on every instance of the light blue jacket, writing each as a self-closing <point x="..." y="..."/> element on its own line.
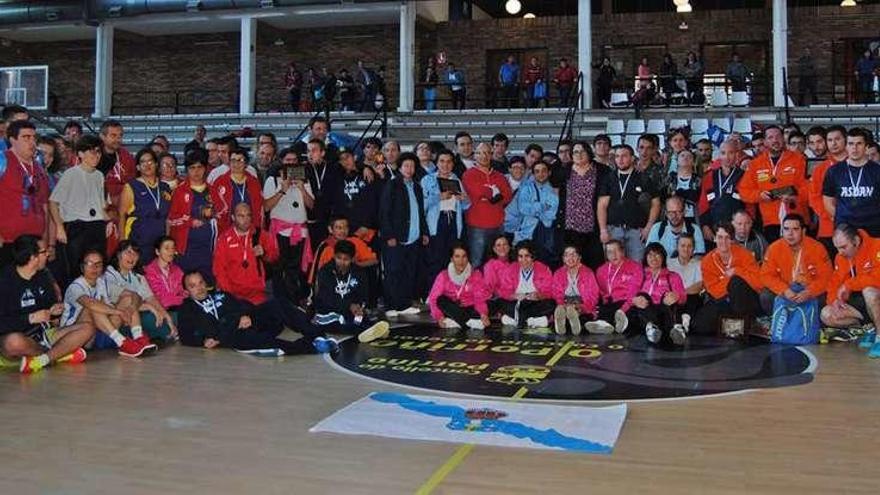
<point x="530" y="207"/>
<point x="431" y="190"/>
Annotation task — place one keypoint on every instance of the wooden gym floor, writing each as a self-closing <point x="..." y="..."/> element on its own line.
<point x="194" y="421"/>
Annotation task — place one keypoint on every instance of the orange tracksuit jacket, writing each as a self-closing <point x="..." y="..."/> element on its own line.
<point x="814" y="270"/>
<point x="858" y="273"/>
<point x="790" y="171"/>
<point x="744" y="264"/>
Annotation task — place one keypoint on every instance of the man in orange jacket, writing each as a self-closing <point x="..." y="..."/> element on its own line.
<point x="835" y="139"/>
<point x="777" y="181"/>
<point x="854" y="290"/>
<point x="796" y="267"/>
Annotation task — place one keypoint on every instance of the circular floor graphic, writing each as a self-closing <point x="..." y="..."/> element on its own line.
<point x="541" y="365"/>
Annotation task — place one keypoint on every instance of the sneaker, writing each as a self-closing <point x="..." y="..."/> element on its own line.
<point x="508" y="321"/>
<point x="539" y="322"/>
<point x="412" y="310"/>
<point x="29" y="365"/>
<point x="392" y="313"/>
<point x="686" y="322"/>
<point x="131" y="348"/>
<point x="599" y="327"/>
<point x="842" y="335"/>
<point x="678" y="334"/>
<point x="476" y="324"/>
<point x="328" y="319"/>
<point x="653" y="333"/>
<point x="325" y="345"/>
<point x="823" y="335"/>
<point x="267" y="353"/>
<point x="874" y="353"/>
<point x="449" y="323"/>
<point x="574" y="319"/>
<point x="378" y="331"/>
<point x="868" y="340"/>
<point x="559" y="320"/>
<point x="148" y="346"/>
<point x="620" y="321"/>
<point x="75" y="357"/>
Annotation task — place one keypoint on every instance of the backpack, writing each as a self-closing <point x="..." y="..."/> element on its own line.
<point x="795" y="324"/>
<point x="688" y="227"/>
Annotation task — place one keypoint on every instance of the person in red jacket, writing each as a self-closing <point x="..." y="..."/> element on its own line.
<point x="234" y="187"/>
<point x="564" y="78"/>
<point x="240" y="257"/>
<point x="489" y="193"/>
<point x="527" y="290"/>
<point x="458" y="296"/>
<point x="191" y="219"/>
<point x="119" y="168"/>
<point x="577" y="294"/>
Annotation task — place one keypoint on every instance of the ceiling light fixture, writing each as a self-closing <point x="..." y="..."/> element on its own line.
<point x="848" y="3"/>
<point x="529" y="15"/>
<point x="513" y="7"/>
<point x="684" y="9"/>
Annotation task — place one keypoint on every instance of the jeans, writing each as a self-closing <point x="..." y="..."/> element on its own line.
<point x="402" y="265"/>
<point x="632" y="241"/>
<point x="430" y="98"/>
<point x="478" y="239"/>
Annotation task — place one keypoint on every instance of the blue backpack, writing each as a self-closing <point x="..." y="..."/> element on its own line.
<point x="795" y="324"/>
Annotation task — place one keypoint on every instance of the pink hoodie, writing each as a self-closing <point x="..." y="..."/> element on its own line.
<point x="621" y="283"/>
<point x="169" y="291"/>
<point x="586" y="285"/>
<point x="492" y="271"/>
<point x="473" y="293"/>
<point x="667" y="281"/>
<point x="543" y="280"/>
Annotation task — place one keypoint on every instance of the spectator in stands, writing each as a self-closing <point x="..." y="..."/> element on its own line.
<point x="24" y="190"/>
<point x="526" y="290"/>
<point x="619" y="280"/>
<point x="684" y="183"/>
<point x="667" y="232"/>
<point x="430" y="80"/>
<point x="693" y="72"/>
<point x="807" y="77"/>
<point x="198" y="140"/>
<point x="458" y="295"/>
<point x="489" y="193"/>
<point x="578" y="203"/>
<point x="668" y="74"/>
<point x="367" y="82"/>
<point x="144" y="205"/>
<point x="719" y="192"/>
<point x="324" y="178"/>
<point x="168" y="171"/>
<point x="644" y="72"/>
<point x="404" y="232"/>
<point x="733" y="281"/>
<point x="777" y="182"/>
<point x="659" y="304"/>
<point x="536" y="204"/>
<point x="293" y="82"/>
<point x="426" y="164"/>
<point x="445" y="204"/>
<point x="688" y="268"/>
<point x="851" y="190"/>
<point x="816" y="146"/>
<point x="797" y="142"/>
<point x="835" y="140"/>
<point x="78" y="209"/>
<point x="164" y="276"/>
<point x="576" y="294"/>
<point x="356" y="199"/>
<point x="865" y="67"/>
<point x="604" y="83"/>
<point x="500" y="162"/>
<point x="796" y="266"/>
<point x="455" y="79"/>
<point x="602" y="150"/>
<point x="649" y="161"/>
<point x="29" y="305"/>
<point x="235" y="187"/>
<point x="240" y="257"/>
<point x="191" y="219"/>
<point x="704" y="152"/>
<point x="464" y="153"/>
<point x="564" y="79"/>
<point x="346" y="88"/>
<point x="628" y="205"/>
<point x="508" y="81"/>
<point x="736" y="73"/>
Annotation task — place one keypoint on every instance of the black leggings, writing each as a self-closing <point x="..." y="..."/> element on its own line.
<point x="526" y="309"/>
<point x="454" y="310"/>
<point x="269" y="320"/>
<point x="741" y="301"/>
<point x="82" y="237"/>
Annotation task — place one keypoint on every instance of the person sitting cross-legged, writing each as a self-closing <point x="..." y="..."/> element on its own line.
<point x="29" y="309"/>
<point x="619" y="280"/>
<point x="213" y="318"/>
<point x="576" y="293"/>
<point x="458" y="297"/>
<point x="658" y="304"/>
<point x="527" y="290"/>
<point x="341" y="294"/>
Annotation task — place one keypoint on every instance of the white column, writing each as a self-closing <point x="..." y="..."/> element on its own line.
<point x="585" y="51"/>
<point x="780" y="50"/>
<point x="103" y="70"/>
<point x="407" y="56"/>
<point x="248" y="65"/>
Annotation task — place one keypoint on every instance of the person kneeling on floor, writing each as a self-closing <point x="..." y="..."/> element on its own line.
<point x="659" y="303"/>
<point x="576" y="293"/>
<point x="527" y="290"/>
<point x="213" y="318"/>
<point x="458" y="298"/>
<point x="341" y="294"/>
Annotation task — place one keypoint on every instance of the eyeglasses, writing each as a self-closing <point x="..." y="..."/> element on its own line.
<point x="94" y="263"/>
<point x="237" y="160"/>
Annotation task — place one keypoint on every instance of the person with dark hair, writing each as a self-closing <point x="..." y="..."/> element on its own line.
<point x="602" y="150"/>
<point x="498" y="260"/>
<point x="704" y="151"/>
<point x="117" y="165"/>
<point x="693" y="72"/>
<point x="657" y="307"/>
<point x="564" y="78"/>
<point x="198" y="141"/>
<point x="684" y="182"/>
<point x="736" y="73"/>
<point x="732" y="279"/>
<point x="215" y="319"/>
<point x="241" y="255"/>
<point x="688" y="268"/>
<point x="372" y="147"/>
<point x="30" y="307"/>
<point x="78" y="207"/>
<point x="24" y="189"/>
<point x="426" y="164"/>
<point x="11" y="113"/>
<point x="324" y="178"/>
<point x="526" y="290"/>
<point x="458" y="296"/>
<point x="532" y="154"/>
<point x="168" y="172"/>
<point x="534" y="208"/>
<point x="87" y="300"/>
<point x="835" y="143"/>
<point x="465" y="158"/>
<point x="797" y="142"/>
<point x="404" y="232"/>
<point x="72" y="131"/>
<point x="164" y="276"/>
<point x="854" y="290"/>
<point x="873" y="152"/>
<point x="225" y="147"/>
<point x="500" y="162"/>
<point x="342" y="292"/>
<point x="851" y="189"/>
<point x="368" y="83"/>
<point x="445" y="204"/>
<point x="236" y="187"/>
<point x="489" y="193"/>
<point x="144" y="205"/>
<point x="191" y="218"/>
<point x="578" y="201"/>
<point x="648" y="160"/>
<point x="563" y="151"/>
<point x="577" y="294"/>
<point x="604" y="84"/>
<point x="816" y="146"/>
<point x="293" y="82"/>
<point x="356" y="198"/>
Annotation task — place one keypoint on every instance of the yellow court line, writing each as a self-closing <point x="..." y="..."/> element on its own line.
<point x="458" y="457"/>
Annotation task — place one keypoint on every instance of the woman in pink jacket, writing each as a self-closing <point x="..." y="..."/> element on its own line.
<point x="576" y="294"/>
<point x="458" y="297"/>
<point x="658" y="305"/>
<point x="164" y="277"/>
<point x="499" y="259"/>
<point x="619" y="281"/>
<point x="527" y="290"/>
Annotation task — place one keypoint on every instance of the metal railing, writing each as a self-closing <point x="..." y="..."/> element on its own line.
<point x="838" y="89"/>
<point x="571" y="113"/>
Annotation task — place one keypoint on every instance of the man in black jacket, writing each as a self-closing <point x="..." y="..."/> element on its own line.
<point x="212" y="318"/>
<point x="404" y="232"/>
<point x="355" y="198"/>
<point x="341" y="295"/>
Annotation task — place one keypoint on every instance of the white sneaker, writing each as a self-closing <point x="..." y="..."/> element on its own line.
<point x="449" y="323"/>
<point x="620" y="321"/>
<point x="600" y="327"/>
<point x="678" y="334"/>
<point x="508" y="321"/>
<point x="574" y="319"/>
<point x="559" y="320"/>
<point x="653" y="333"/>
<point x="539" y="322"/>
<point x="392" y="313"/>
<point x="378" y="331"/>
<point x="476" y="324"/>
<point x="686" y="322"/>
<point x="412" y="310"/>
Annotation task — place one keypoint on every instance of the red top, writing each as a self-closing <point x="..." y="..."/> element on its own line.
<point x="23" y="213"/>
<point x="222" y="196"/>
<point x="484" y="214"/>
<point x="236" y="267"/>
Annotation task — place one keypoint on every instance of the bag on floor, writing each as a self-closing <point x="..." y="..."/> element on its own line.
<point x="795" y="324"/>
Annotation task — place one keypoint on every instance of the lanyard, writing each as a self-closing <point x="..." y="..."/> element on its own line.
<point x="653" y="285"/>
<point x="611" y="278"/>
<point x="775" y="165"/>
<point x="857" y="183"/>
<point x="244" y="248"/>
<point x="166" y="277"/>
<point x="527" y="274"/>
<point x="572" y="281"/>
<point x="722" y="268"/>
<point x="157" y="198"/>
<point x="623" y="187"/>
<point x="461" y="289"/>
<point x="726" y="181"/>
<point x="797" y="265"/>
<point x="240" y="190"/>
<point x="319" y="179"/>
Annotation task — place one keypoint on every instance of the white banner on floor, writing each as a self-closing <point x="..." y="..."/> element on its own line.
<point x="482" y="422"/>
